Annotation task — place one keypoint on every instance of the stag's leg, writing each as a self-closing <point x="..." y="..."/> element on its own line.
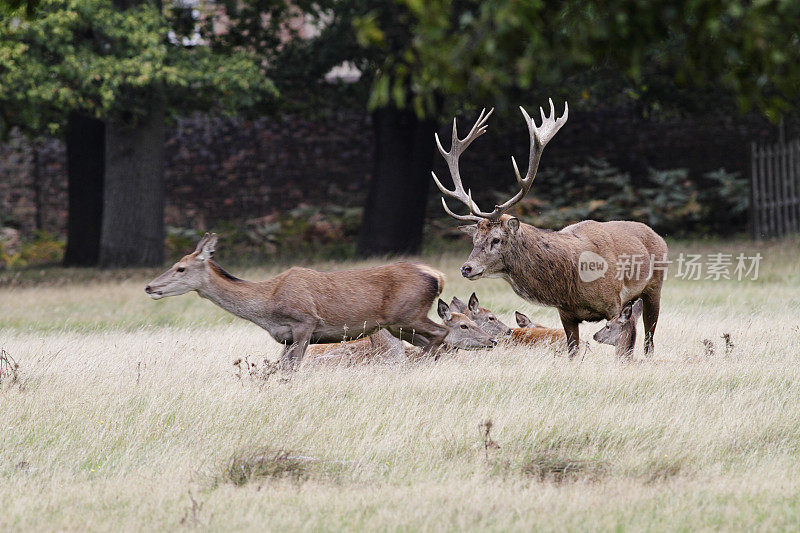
<point x="571" y="329"/>
<point x="651" y="302"/>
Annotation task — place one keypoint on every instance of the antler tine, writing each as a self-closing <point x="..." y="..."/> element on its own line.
<point x="539" y="136"/>
<point x="439" y="145"/>
<point x="457" y="147"/>
<point x="466" y="218"/>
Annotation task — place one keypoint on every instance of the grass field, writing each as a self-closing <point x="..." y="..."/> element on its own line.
<point x="129" y="414"/>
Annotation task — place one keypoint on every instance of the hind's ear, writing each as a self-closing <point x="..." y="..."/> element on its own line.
<point x="207" y="246"/>
<point x="457" y="305"/>
<point x="626" y="313"/>
<point x="473" y="303"/>
<point x="202" y="243"/>
<point x="444" y="310"/>
<point x="522" y="320"/>
<point x="637" y="309"/>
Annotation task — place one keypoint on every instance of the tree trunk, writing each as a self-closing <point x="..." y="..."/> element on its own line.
<point x="394" y="213"/>
<point x="133" y="196"/>
<point x="85" y="139"/>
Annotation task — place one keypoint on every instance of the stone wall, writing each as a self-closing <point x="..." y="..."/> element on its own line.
<point x="225" y="169"/>
<point x="33" y="185"/>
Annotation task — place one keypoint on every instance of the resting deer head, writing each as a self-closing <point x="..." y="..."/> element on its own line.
<point x="621" y="331"/>
<point x="483" y="317"/>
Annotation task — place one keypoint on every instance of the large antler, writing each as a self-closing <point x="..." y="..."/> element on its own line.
<point x="456" y="148"/>
<point x="539" y="136"/>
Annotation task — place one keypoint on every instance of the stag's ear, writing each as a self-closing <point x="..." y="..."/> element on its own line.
<point x="469" y="229"/>
<point x="473" y="303"/>
<point x="207" y="246"/>
<point x="637" y="309"/>
<point x="522" y="320"/>
<point x="444" y="310"/>
<point x="457" y="305"/>
<point x="512" y="224"/>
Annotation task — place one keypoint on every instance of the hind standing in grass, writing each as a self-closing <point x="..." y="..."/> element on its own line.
<point x="302" y="306"/>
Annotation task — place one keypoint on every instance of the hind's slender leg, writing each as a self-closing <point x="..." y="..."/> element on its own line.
<point x="293" y="354"/>
<point x="431" y="332"/>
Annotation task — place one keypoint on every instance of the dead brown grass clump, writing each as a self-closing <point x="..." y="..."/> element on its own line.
<point x="9" y="369"/>
<point x="548" y="466"/>
<point x="255" y="371"/>
<point x="657" y="471"/>
<point x="248" y="465"/>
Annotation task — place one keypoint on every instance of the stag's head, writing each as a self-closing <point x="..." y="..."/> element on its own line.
<point x="483" y="317"/>
<point x="462" y="332"/>
<point x="186" y="275"/>
<point x="493" y="232"/>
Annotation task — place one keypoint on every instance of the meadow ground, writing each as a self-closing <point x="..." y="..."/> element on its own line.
<point x="129" y="414"/>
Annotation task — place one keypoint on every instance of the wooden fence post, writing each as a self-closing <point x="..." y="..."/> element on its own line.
<point x="774" y="189"/>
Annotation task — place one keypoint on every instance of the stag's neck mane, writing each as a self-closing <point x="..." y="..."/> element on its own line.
<point x="540" y="267"/>
<point x="235" y="295"/>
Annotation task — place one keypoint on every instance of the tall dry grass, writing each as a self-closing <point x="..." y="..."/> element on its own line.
<point x="130" y="414"/>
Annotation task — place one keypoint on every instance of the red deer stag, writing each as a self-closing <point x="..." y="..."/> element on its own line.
<point x="462" y="334"/>
<point x="302" y="306"/>
<point x="588" y="271"/>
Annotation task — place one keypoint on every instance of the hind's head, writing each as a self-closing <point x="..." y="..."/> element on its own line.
<point x="463" y="332"/>
<point x="186" y="275"/>
<point x="483" y="317"/>
<point x="622" y="327"/>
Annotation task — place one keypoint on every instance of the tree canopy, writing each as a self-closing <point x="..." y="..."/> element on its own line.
<point x="749" y="48"/>
<point x="88" y="56"/>
<point x="413" y="51"/>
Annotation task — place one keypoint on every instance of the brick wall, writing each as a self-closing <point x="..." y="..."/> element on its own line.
<point x="232" y="169"/>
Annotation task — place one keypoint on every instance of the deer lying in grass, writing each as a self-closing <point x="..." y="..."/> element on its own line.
<point x="530" y="334"/>
<point x="527" y="334"/>
<point x="302" y="306"/>
<point x="482" y="316"/>
<point x="621" y="330"/>
<point x="462" y="334"/>
<point x="585" y="270"/>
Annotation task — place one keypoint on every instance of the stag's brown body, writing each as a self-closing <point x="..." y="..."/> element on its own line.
<point x="302" y="306"/>
<point x="543" y="266"/>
